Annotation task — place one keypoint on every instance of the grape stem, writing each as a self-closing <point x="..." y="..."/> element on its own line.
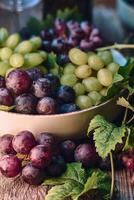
<point x="117" y="46"/>
<point x="130" y="120"/>
<point x="113" y="175"/>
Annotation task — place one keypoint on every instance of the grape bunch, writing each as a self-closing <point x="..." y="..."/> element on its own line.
<point x="90" y="75"/>
<point x="65" y="35"/>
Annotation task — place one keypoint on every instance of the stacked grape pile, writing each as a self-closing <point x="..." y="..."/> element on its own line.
<point x="42" y="157"/>
<point x="65" y="35"/>
<point x="90" y="75"/>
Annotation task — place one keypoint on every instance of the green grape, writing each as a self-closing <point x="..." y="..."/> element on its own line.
<point x="103" y="92"/>
<point x="69" y="69"/>
<point x="16" y="60"/>
<point x="69" y="80"/>
<point x="113" y="67"/>
<point x="79" y="89"/>
<point x="24" y="47"/>
<point x="13" y="40"/>
<point x="43" y="69"/>
<point x="95" y="97"/>
<point x="91" y="53"/>
<point x="4" y="66"/>
<point x="5" y="53"/>
<point x="92" y="84"/>
<point x="32" y="60"/>
<point x="36" y="42"/>
<point x="84" y="102"/>
<point x="105" y="77"/>
<point x="95" y="62"/>
<point x="78" y="57"/>
<point x="83" y="71"/>
<point x="43" y="54"/>
<point x="3" y="36"/>
<point x="106" y="56"/>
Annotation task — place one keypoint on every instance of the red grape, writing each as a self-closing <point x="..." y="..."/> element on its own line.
<point x="10" y="165"/>
<point x="40" y="156"/>
<point x="67" y="150"/>
<point x="130" y="164"/>
<point x="5" y="97"/>
<point x="18" y="81"/>
<point x="32" y="175"/>
<point x="23" y="142"/>
<point x="46" y="139"/>
<point x="6" y="144"/>
<point x="34" y="74"/>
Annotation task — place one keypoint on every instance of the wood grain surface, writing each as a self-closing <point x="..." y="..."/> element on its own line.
<point x="16" y="189"/>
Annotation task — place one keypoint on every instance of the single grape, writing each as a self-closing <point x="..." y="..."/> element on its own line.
<point x="25" y="103"/>
<point x="46" y="139"/>
<point x="40" y="156"/>
<point x="6" y="98"/>
<point x="46" y="106"/>
<point x="33" y="175"/>
<point x="23" y="142"/>
<point x="105" y="77"/>
<point x="36" y="43"/>
<point x="53" y="78"/>
<point x="10" y="165"/>
<point x="46" y="46"/>
<point x="6" y="144"/>
<point x="42" y="88"/>
<point x="130" y="164"/>
<point x="13" y="40"/>
<point x="113" y="67"/>
<point x="83" y="71"/>
<point x="84" y="102"/>
<point x="16" y="60"/>
<point x="34" y="73"/>
<point x="18" y="81"/>
<point x="86" y="45"/>
<point x="97" y="41"/>
<point x="71" y="24"/>
<point x="106" y="56"/>
<point x="77" y="33"/>
<point x="59" y="26"/>
<point x="2" y="82"/>
<point x="24" y="47"/>
<point x="57" y="166"/>
<point x="65" y="94"/>
<point x="86" y="154"/>
<point x="68" y="80"/>
<point x="103" y="91"/>
<point x="85" y="26"/>
<point x="69" y="68"/>
<point x="95" y="97"/>
<point x="94" y="32"/>
<point x="73" y="41"/>
<point x="95" y="62"/>
<point x="67" y="108"/>
<point x="79" y="89"/>
<point x="78" y="57"/>
<point x="5" y="53"/>
<point x="92" y="84"/>
<point x="67" y="148"/>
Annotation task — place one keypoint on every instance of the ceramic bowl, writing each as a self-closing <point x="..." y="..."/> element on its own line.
<point x="71" y="125"/>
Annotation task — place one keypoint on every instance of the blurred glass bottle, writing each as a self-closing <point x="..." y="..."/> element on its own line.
<point x="15" y="13"/>
<point x="84" y="7"/>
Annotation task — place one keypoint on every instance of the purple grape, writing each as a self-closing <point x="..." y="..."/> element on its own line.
<point x="58" y="45"/>
<point x="67" y="150"/>
<point x="47" y="34"/>
<point x="72" y="25"/>
<point x="40" y="156"/>
<point x="18" y="81"/>
<point x="60" y="26"/>
<point x="33" y="175"/>
<point x="53" y="79"/>
<point x="63" y="59"/>
<point x="6" y="98"/>
<point x="73" y="41"/>
<point x="26" y="103"/>
<point x="34" y="74"/>
<point x="130" y="164"/>
<point x="86" y="45"/>
<point x="94" y="32"/>
<point x="65" y="94"/>
<point x="6" y="144"/>
<point x="97" y="41"/>
<point x="67" y="108"/>
<point x="2" y="82"/>
<point x="10" y="165"/>
<point x="86" y="154"/>
<point x="57" y="166"/>
<point x="77" y="33"/>
<point x="85" y="27"/>
<point x="23" y="142"/>
<point x="46" y="106"/>
<point x="105" y="164"/>
<point x="42" y="88"/>
<point x="46" y="46"/>
<point x="46" y="139"/>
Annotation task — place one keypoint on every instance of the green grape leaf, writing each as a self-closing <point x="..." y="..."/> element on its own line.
<point x="106" y="135"/>
<point x="48" y="22"/>
<point x="6" y="108"/>
<point x="35" y="26"/>
<point x="118" y="57"/>
<point x="130" y="139"/>
<point x="76" y="181"/>
<point x="125" y="103"/>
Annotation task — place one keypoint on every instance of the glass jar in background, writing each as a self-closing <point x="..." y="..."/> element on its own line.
<point x="84" y="7"/>
<point x="15" y="13"/>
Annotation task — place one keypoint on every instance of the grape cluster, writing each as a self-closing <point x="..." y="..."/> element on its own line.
<point x="90" y="75"/>
<point x="65" y="35"/>
<point x="42" y="157"/>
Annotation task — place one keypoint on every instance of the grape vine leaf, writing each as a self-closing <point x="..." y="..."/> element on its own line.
<point x="125" y="103"/>
<point x="106" y="135"/>
<point x="130" y="139"/>
<point x="75" y="182"/>
<point x="35" y="26"/>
